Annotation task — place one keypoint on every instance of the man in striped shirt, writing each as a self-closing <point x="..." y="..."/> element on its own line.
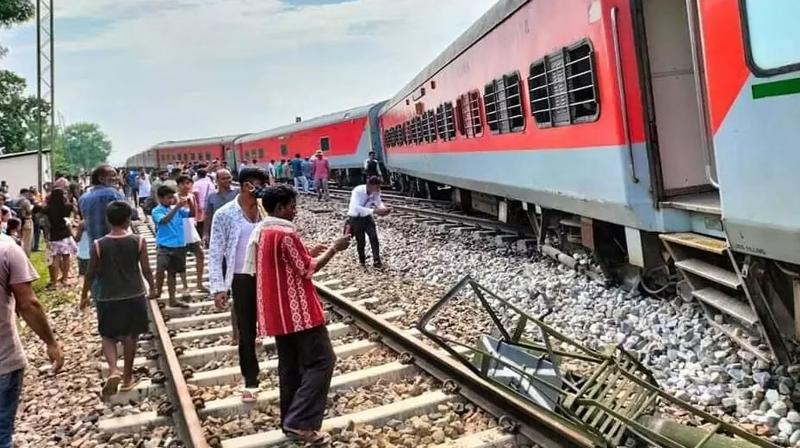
<point x="290" y="310"/>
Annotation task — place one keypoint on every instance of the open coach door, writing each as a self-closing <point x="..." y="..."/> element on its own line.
<point x="671" y="72"/>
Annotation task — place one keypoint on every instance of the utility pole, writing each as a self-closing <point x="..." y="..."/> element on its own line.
<point x="45" y="82"/>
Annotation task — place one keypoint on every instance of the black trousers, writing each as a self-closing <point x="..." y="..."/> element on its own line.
<point x="244" y="305"/>
<point x="365" y="225"/>
<point x="305" y="368"/>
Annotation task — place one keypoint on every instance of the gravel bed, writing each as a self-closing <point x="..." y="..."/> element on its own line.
<point x="449" y="422"/>
<point x="690" y="359"/>
<point x="63" y="410"/>
<point x="436" y="427"/>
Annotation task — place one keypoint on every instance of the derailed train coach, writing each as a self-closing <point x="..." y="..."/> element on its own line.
<point x="344" y="137"/>
<point x="655" y="133"/>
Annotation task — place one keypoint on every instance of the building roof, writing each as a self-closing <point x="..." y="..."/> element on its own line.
<point x="496" y="15"/>
<point x="24" y="153"/>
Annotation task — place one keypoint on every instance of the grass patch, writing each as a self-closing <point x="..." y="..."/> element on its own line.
<point x="39" y="260"/>
<point x="51" y="298"/>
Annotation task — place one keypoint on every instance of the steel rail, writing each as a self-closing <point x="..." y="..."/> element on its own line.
<point x="187" y="422"/>
<point x="538" y="425"/>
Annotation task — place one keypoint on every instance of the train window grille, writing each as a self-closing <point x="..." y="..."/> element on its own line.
<point x="416" y="131"/>
<point x="284" y="149"/>
<point x="325" y="144"/>
<point x="260" y="153"/>
<point x="386" y="137"/>
<point x="430" y="126"/>
<point x="445" y="122"/>
<point x="503" y="103"/>
<point x="469" y="109"/>
<point x="563" y="88"/>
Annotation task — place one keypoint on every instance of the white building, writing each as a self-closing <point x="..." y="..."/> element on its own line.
<point x="19" y="170"/>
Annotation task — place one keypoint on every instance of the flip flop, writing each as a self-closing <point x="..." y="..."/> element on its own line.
<point x="179" y="304"/>
<point x="249" y="395"/>
<point x="131" y="386"/>
<point x="111" y="385"/>
<point x="313" y="438"/>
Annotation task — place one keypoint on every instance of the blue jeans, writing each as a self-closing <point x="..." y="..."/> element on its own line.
<point x="301" y="182"/>
<point x="10" y="388"/>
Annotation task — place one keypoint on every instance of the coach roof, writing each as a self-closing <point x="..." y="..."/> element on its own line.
<point x="494" y="17"/>
<point x="324" y="120"/>
<point x="197" y="142"/>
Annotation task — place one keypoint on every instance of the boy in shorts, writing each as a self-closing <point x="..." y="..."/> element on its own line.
<point x="120" y="261"/>
<point x="170" y="242"/>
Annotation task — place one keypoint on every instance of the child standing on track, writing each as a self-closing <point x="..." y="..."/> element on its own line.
<point x="171" y="256"/>
<point x="190" y="233"/>
<point x="119" y="260"/>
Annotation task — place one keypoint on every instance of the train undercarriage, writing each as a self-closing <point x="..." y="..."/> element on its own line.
<point x="753" y="300"/>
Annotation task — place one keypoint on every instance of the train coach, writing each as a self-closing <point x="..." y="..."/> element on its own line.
<point x="345" y="137"/>
<point x="656" y="133"/>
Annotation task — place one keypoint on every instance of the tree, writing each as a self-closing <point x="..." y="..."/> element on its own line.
<point x="85" y="146"/>
<point x="15" y="11"/>
<point x="18" y="119"/>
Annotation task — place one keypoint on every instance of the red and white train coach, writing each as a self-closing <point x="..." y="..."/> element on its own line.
<point x="641" y="121"/>
<point x="345" y="137"/>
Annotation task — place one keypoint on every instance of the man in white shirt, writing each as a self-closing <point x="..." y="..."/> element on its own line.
<point x="271" y="172"/>
<point x="365" y="201"/>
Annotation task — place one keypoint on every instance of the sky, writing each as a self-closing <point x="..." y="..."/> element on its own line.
<point x="154" y="70"/>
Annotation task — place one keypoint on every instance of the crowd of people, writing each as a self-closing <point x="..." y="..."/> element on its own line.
<point x="256" y="258"/>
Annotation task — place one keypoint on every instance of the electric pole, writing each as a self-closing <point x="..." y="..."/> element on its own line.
<point x="45" y="82"/>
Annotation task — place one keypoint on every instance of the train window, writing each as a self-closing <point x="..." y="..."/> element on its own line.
<point x="772" y="35"/>
<point x="562" y="87"/>
<point x="284" y="149"/>
<point x="430" y="126"/>
<point x="468" y="108"/>
<point x="325" y="144"/>
<point x="208" y="156"/>
<point x="445" y="122"/>
<point x="387" y="140"/>
<point x="503" y="103"/>
<point x="260" y="153"/>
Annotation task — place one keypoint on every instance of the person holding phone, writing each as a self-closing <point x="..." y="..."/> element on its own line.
<point x="289" y="308"/>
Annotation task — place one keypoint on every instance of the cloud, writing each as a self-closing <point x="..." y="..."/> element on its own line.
<point x="153" y="70"/>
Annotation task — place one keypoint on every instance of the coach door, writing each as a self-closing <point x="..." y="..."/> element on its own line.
<point x="677" y="131"/>
<point x="230" y="157"/>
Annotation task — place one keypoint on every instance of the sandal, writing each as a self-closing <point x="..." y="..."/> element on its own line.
<point x="179" y="304"/>
<point x="249" y="395"/>
<point x="111" y="385"/>
<point x="130" y="386"/>
<point x="313" y="438"/>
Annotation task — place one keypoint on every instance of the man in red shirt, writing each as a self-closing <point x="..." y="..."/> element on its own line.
<point x="290" y="310"/>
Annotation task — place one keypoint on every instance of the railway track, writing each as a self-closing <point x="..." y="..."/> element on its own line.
<point x="389" y="385"/>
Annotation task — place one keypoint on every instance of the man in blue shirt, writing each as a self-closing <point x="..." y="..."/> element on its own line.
<point x="168" y="217"/>
<point x="297" y="174"/>
<point x="133" y="185"/>
<point x="93" y="204"/>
